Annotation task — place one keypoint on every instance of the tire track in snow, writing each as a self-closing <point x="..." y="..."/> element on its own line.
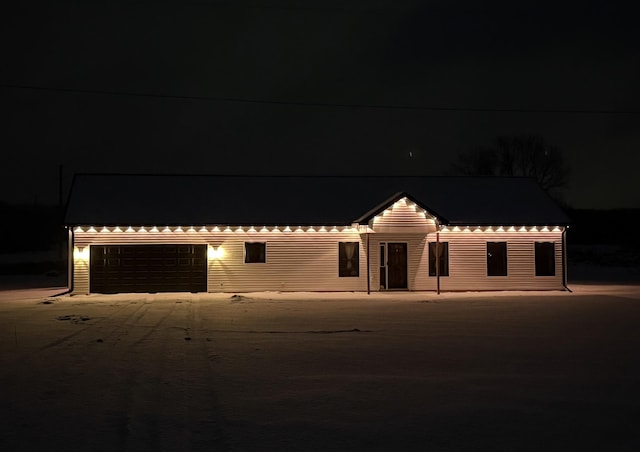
<point x="106" y="319"/>
<point x="204" y="415"/>
<point x="166" y="402"/>
<point x="136" y="419"/>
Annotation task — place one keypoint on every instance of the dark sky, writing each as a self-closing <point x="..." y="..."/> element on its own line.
<point x="193" y="54"/>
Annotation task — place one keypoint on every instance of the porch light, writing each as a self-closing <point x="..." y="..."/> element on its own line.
<point x="533" y="229"/>
<point x="129" y="229"/>
<point x="104" y="229"/>
<point x="545" y="229"/>
<point x="500" y="229"/>
<point x="166" y="229"/>
<point x="557" y="229"/>
<point x="117" y="229"/>
<point x="203" y="229"/>
<point x="511" y="229"/>
<point x="142" y="229"/>
<point x="334" y="229"/>
<point x="287" y="229"/>
<point x="323" y="229"/>
<point x="215" y="229"/>
<point x="178" y="229"/>
<point x="215" y="253"/>
<point x="239" y="229"/>
<point x="456" y="229"/>
<point x="275" y="229"/>
<point x="81" y="253"/>
<point x="264" y="229"/>
<point x="311" y="229"/>
<point x="191" y="229"/>
<point x="92" y="229"/>
<point x="78" y="229"/>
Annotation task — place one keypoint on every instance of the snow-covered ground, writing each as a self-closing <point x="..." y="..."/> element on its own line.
<point x="501" y="371"/>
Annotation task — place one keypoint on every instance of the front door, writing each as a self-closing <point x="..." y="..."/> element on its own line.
<point x="397" y="266"/>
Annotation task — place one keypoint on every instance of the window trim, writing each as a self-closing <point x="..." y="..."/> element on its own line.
<point x="553" y="258"/>
<point x="245" y="255"/>
<point x="445" y="255"/>
<point x="506" y="258"/>
<point x="356" y="256"/>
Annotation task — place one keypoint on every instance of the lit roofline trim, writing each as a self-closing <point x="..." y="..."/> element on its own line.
<point x="352" y="228"/>
<point x="218" y="229"/>
<point x="502" y="229"/>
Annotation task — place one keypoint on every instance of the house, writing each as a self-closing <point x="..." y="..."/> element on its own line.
<point x="192" y="233"/>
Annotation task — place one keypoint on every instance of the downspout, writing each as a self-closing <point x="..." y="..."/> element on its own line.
<point x="69" y="264"/>
<point x="70" y="259"/>
<point x="368" y="266"/>
<point x="564" y="259"/>
<point x="438" y="261"/>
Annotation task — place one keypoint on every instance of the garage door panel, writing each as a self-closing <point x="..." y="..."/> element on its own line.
<point x="148" y="268"/>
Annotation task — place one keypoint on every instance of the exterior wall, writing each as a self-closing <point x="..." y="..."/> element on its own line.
<point x="308" y="260"/>
<point x="295" y="261"/>
<point x="468" y="261"/>
<point x="405" y="222"/>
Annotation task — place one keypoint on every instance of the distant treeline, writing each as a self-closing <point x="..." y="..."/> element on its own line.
<point x="30" y="228"/>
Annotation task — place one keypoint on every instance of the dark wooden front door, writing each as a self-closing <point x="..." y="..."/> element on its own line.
<point x="397" y="266"/>
<point x="148" y="268"/>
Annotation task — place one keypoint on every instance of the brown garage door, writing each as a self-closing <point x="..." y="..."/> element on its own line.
<point x="148" y="268"/>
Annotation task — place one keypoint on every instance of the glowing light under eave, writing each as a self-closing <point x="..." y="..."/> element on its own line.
<point x="81" y="253"/>
<point x="215" y="253"/>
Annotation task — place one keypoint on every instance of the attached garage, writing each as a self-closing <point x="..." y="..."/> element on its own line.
<point x="148" y="268"/>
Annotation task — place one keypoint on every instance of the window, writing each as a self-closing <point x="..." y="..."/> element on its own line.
<point x="496" y="258"/>
<point x="349" y="259"/>
<point x="255" y="252"/>
<point x="443" y="263"/>
<point x="545" y="259"/>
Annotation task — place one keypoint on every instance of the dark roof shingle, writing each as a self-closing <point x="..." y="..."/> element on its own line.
<point x="121" y="199"/>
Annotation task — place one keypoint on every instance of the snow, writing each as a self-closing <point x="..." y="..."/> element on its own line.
<point x="321" y="371"/>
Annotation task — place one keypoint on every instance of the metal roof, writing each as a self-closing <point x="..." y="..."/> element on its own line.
<point x="129" y="199"/>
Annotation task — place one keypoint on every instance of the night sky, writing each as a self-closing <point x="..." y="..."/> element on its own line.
<point x="316" y="87"/>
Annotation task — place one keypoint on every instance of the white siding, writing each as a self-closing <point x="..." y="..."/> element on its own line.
<point x="308" y="261"/>
<point x="296" y="261"/>
<point x="468" y="261"/>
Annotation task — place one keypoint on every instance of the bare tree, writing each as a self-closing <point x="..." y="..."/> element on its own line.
<point x="525" y="155"/>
